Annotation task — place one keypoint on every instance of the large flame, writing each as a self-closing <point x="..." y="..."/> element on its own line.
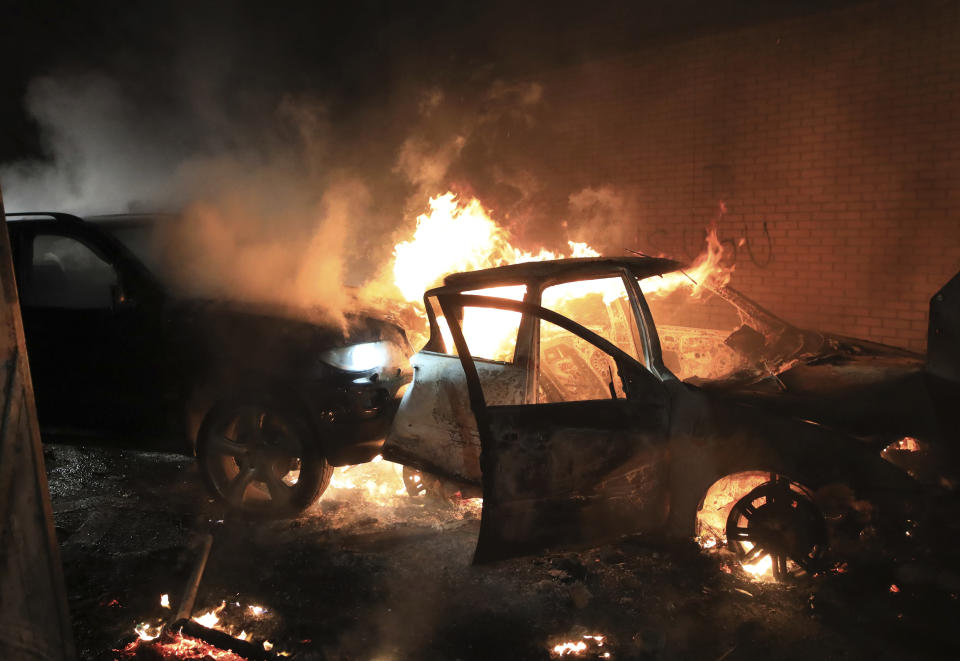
<point x="456" y="235"/>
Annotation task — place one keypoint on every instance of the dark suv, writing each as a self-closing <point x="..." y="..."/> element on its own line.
<point x="269" y="398"/>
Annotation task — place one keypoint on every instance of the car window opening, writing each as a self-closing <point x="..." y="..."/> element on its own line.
<point x="491" y="334"/>
<point x="66" y="273"/>
<point x="601" y="305"/>
<point x="574" y="370"/>
<point x="702" y="335"/>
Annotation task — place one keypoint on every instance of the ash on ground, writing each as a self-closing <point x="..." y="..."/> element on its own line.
<point x="364" y="575"/>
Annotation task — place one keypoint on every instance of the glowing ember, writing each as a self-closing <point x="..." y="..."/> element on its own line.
<point x="267" y="645"/>
<point x="178" y="646"/>
<point x="165" y="600"/>
<point x="258" y="610"/>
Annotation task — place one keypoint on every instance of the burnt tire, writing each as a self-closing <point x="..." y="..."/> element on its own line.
<point x="259" y="458"/>
<point x="780" y="520"/>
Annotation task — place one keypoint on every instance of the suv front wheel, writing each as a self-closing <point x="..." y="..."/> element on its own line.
<point x="258" y="458"/>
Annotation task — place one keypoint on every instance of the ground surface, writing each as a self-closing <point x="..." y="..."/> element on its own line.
<point x="386" y="576"/>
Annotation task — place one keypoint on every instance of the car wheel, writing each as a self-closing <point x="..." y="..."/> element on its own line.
<point x="261" y="459"/>
<point x="778" y="519"/>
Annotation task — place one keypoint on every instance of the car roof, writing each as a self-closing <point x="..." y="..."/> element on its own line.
<point x="574" y="268"/>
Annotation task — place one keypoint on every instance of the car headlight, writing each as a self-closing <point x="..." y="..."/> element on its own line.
<point x="363" y="357"/>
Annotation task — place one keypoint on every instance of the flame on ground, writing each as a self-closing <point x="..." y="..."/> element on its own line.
<point x="762" y="569"/>
<point x="593" y="643"/>
<point x="379" y="482"/>
<point x="167" y="644"/>
<point x="210" y="618"/>
<point x="147" y="631"/>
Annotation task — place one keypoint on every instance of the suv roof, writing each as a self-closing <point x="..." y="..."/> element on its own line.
<point x="571" y="268"/>
<point x="112" y="218"/>
<point x="40" y="215"/>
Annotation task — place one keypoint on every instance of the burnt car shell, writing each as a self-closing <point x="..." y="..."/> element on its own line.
<point x="557" y="471"/>
<point x="588" y="470"/>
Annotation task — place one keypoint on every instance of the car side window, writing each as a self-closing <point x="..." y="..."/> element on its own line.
<point x="602" y="305"/>
<point x="65" y="273"/>
<point x="491" y="334"/>
<point x="571" y="369"/>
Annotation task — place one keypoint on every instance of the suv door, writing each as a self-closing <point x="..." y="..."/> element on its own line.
<point x="93" y="353"/>
<point x="586" y="460"/>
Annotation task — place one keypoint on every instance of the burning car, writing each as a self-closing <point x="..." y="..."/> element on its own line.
<point x="269" y="398"/>
<point x="595" y="396"/>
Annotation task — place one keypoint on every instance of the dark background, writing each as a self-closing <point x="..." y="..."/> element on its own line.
<point x="352" y="54"/>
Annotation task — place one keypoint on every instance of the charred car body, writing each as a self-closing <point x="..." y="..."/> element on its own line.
<point x="269" y="398"/>
<point x="567" y="405"/>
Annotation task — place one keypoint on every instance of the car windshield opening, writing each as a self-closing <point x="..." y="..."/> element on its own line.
<point x="703" y="337"/>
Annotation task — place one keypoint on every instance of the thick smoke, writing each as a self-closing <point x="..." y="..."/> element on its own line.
<point x="293" y="205"/>
<point x="102" y="157"/>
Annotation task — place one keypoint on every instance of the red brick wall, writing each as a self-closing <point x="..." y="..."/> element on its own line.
<point x="833" y="139"/>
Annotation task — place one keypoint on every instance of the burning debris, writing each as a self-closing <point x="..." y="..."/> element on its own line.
<point x="176" y="646"/>
<point x="581" y="646"/>
<point x="214" y="634"/>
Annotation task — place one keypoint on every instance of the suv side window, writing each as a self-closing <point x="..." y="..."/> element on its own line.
<point x="65" y="273"/>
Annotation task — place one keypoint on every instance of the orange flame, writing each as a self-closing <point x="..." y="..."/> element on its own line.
<point x="455" y="236"/>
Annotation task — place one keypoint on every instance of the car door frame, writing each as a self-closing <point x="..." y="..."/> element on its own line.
<point x="492" y="543"/>
<point x="131" y="276"/>
<point x="643" y="330"/>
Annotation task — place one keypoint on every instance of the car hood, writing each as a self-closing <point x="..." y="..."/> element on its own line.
<point x="361" y="325"/>
<point x="863" y="388"/>
<point x="782" y="353"/>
